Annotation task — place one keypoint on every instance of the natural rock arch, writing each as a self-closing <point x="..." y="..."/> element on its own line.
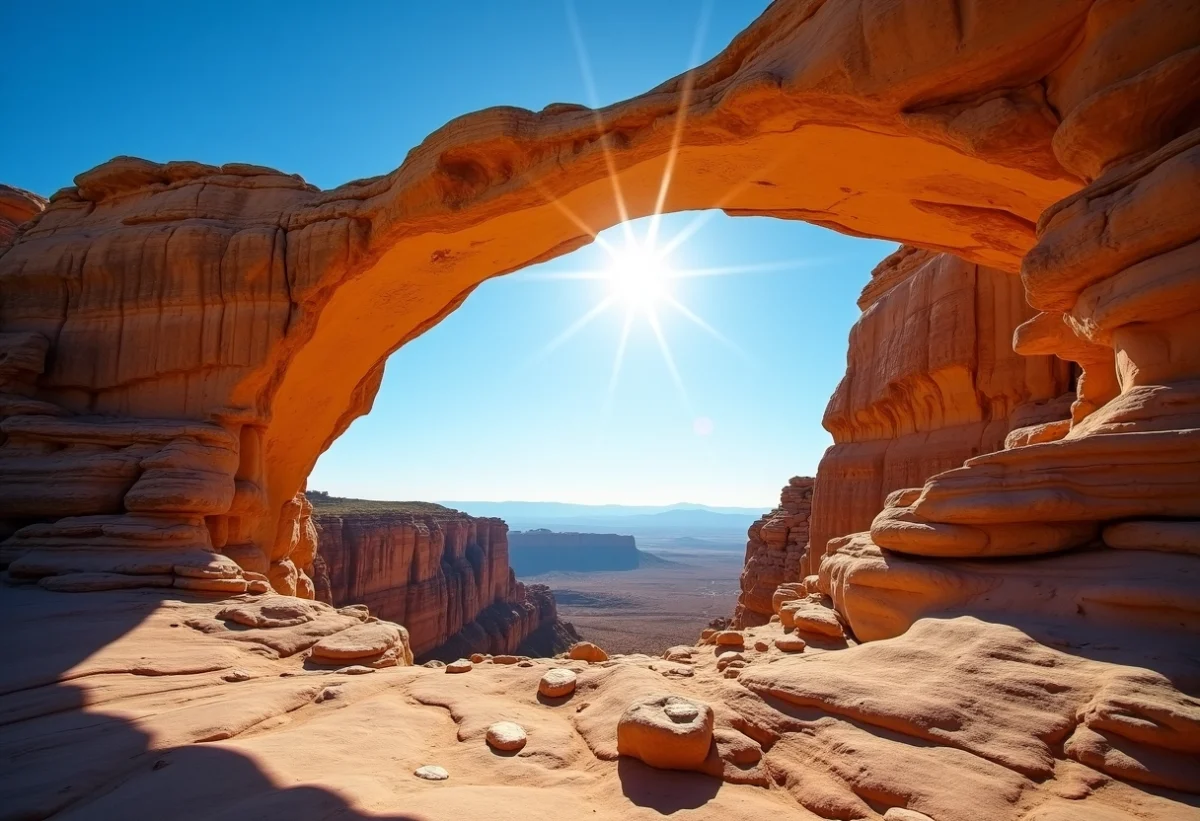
<point x="253" y="313"/>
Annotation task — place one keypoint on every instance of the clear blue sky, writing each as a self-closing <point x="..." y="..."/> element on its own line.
<point x="476" y="408"/>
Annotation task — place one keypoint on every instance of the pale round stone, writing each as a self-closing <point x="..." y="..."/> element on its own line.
<point x="557" y="682"/>
<point x="506" y="736"/>
<point x="460" y="666"/>
<point x="431" y="772"/>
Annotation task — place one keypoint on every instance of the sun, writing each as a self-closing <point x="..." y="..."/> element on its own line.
<point x="639" y="277"/>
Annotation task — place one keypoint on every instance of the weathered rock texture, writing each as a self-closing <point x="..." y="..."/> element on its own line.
<point x="540" y="551"/>
<point x="775" y="552"/>
<point x="181" y="341"/>
<point x="17" y="206"/>
<point x="931" y="380"/>
<point x="444" y="576"/>
<point x="188" y="714"/>
<point x="243" y="298"/>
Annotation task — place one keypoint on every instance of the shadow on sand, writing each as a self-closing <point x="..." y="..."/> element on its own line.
<point x="62" y="754"/>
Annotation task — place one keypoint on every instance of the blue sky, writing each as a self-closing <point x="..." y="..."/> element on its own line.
<point x="476" y="408"/>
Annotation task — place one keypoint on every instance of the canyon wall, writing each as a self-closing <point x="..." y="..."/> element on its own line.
<point x="444" y="575"/>
<point x="540" y="551"/>
<point x="181" y="341"/>
<point x="775" y="552"/>
<point x="194" y="336"/>
<point x="931" y="380"/>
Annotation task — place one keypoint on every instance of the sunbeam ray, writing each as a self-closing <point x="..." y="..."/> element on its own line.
<point x="618" y="360"/>
<point x="652" y="318"/>
<point x="687" y="312"/>
<point x="577" y="326"/>
<point x="753" y="268"/>
<point x="680" y="117"/>
<point x="704" y="216"/>
<point x="553" y="275"/>
<point x="594" y="102"/>
<point x="713" y="332"/>
<point x="575" y="219"/>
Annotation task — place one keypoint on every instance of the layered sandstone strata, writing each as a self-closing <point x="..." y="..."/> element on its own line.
<point x="775" y="552"/>
<point x="244" y="298"/>
<point x="181" y="342"/>
<point x="444" y="575"/>
<point x="931" y="380"/>
<point x="1113" y="278"/>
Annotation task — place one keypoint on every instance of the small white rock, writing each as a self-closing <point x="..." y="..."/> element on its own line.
<point x="557" y="682"/>
<point x="506" y="736"/>
<point x="431" y="772"/>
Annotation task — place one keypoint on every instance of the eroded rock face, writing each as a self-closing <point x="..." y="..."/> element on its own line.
<point x="444" y="576"/>
<point x="775" y="552"/>
<point x="242" y="297"/>
<point x="181" y="341"/>
<point x="17" y="207"/>
<point x="931" y="380"/>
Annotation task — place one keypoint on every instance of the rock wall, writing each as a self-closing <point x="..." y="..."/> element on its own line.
<point x="154" y="303"/>
<point x="444" y="576"/>
<point x="181" y="341"/>
<point x="17" y="206"/>
<point x="775" y="552"/>
<point x="540" y="551"/>
<point x="931" y="380"/>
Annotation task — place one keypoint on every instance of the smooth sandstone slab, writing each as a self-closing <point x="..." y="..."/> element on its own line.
<point x="1171" y="537"/>
<point x="359" y="641"/>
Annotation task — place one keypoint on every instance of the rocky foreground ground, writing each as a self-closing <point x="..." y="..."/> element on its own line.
<point x="142" y="704"/>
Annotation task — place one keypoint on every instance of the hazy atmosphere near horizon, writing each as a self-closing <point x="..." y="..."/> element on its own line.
<point x="691" y="368"/>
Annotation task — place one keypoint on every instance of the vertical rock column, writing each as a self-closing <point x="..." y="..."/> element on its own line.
<point x="774" y="552"/>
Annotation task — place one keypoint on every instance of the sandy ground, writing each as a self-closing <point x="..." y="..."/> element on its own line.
<point x="152" y="704"/>
<point x="651" y="608"/>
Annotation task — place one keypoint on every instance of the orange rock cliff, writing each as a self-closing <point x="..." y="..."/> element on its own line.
<point x="989" y="610"/>
<point x="444" y="575"/>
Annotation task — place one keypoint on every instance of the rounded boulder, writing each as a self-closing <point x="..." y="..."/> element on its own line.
<point x="586" y="651"/>
<point x="667" y="732"/>
<point x="506" y="736"/>
<point x="557" y="682"/>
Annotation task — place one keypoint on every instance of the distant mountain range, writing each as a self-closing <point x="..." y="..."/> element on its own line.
<point x="564" y="510"/>
<point x="727" y="525"/>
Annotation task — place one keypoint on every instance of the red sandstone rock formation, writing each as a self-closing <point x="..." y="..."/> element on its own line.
<point x="775" y="552"/>
<point x="444" y="576"/>
<point x="17" y="206"/>
<point x="243" y="298"/>
<point x="181" y="341"/>
<point x="931" y="380"/>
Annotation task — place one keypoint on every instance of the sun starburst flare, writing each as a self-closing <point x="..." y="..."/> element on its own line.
<point x="639" y="271"/>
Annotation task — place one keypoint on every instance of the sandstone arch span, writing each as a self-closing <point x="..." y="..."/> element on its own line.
<point x="251" y="314"/>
